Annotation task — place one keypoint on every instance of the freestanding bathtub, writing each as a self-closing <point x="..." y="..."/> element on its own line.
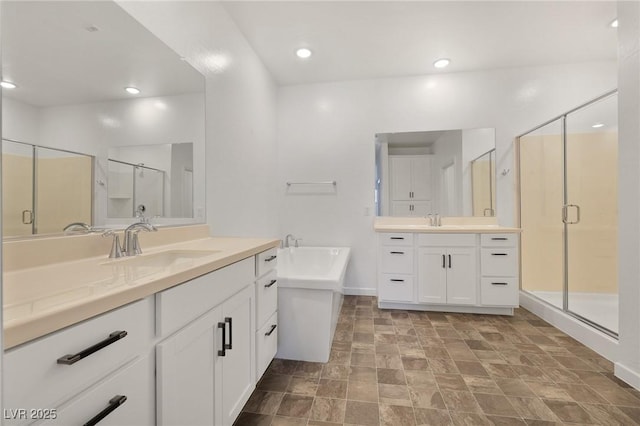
<point x="310" y="281"/>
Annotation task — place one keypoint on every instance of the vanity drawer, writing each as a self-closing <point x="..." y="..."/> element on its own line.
<point x="398" y="260"/>
<point x="499" y="291"/>
<point x="39" y="381"/>
<point x="499" y="262"/>
<point x="135" y="382"/>
<point x="499" y="240"/>
<point x="179" y="305"/>
<point x="266" y="297"/>
<point x="395" y="288"/>
<point x="396" y="239"/>
<point x="447" y="240"/>
<point x="266" y="261"/>
<point x="266" y="344"/>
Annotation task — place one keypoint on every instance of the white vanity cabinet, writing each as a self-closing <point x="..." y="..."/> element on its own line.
<point x="266" y="289"/>
<point x="447" y="269"/>
<point x="206" y="370"/>
<point x="57" y="370"/>
<point x="456" y="272"/>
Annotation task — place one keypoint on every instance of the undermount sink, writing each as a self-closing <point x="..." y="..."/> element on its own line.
<point x="162" y="259"/>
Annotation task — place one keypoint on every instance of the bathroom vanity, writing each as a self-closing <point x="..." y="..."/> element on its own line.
<point x="461" y="266"/>
<point x="176" y="336"/>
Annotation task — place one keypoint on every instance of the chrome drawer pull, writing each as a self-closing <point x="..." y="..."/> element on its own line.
<point x="397" y="252"/>
<point x="114" y="403"/>
<point x="499" y="283"/>
<point x="393" y="280"/>
<point x="270" y="258"/>
<point x="73" y="358"/>
<point x="270" y="332"/>
<point x="499" y="254"/>
<point x="270" y="283"/>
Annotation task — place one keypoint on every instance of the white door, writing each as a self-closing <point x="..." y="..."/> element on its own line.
<point x="185" y="369"/>
<point x="448" y="193"/>
<point x="421" y="208"/>
<point x="402" y="208"/>
<point x="432" y="275"/>
<point x="421" y="177"/>
<point x="238" y="364"/>
<point x="400" y="171"/>
<point x="461" y="276"/>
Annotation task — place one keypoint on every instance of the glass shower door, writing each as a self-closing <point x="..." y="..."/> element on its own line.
<point x="542" y="197"/>
<point x="18" y="215"/>
<point x="591" y="213"/>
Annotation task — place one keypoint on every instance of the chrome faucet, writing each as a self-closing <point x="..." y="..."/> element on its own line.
<point x="131" y="243"/>
<point x="296" y="241"/>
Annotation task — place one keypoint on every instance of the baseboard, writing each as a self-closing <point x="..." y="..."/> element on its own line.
<point x="585" y="334"/>
<point x="359" y="291"/>
<point x="628" y="375"/>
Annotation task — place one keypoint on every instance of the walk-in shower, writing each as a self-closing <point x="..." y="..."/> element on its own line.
<point x="569" y="212"/>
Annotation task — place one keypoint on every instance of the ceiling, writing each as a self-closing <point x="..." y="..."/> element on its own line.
<point x="375" y="39"/>
<point x="49" y="51"/>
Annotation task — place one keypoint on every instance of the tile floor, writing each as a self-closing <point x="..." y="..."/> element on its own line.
<point x="391" y="367"/>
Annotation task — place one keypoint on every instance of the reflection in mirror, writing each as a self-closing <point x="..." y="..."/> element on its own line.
<point x="431" y="172"/>
<point x="44" y="189"/>
<point x="483" y="184"/>
<point x="151" y="181"/>
<point x="71" y="62"/>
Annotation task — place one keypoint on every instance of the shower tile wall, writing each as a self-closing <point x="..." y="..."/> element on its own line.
<point x="390" y="367"/>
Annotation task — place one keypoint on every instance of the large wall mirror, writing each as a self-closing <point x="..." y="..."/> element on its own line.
<point x="447" y="172"/>
<point x="77" y="145"/>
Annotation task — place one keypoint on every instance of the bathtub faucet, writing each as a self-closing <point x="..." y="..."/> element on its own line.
<point x="287" y="244"/>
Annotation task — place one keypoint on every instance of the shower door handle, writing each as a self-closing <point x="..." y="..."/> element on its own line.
<point x="565" y="214"/>
<point x="27" y="217"/>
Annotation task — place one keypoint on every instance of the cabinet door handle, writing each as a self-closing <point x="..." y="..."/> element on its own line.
<point x="449" y="261"/>
<point x="396" y="252"/>
<point x="228" y="321"/>
<point x="499" y="239"/>
<point x="272" y="282"/>
<point x="223" y="351"/>
<point x="396" y="238"/>
<point x="114" y="403"/>
<point x="271" y="330"/>
<point x="394" y="280"/>
<point x="499" y="254"/>
<point x="73" y="358"/>
<point x="270" y="258"/>
<point x="443" y="261"/>
<point x="499" y="283"/>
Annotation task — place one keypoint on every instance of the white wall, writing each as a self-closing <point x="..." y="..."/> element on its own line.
<point x="241" y="150"/>
<point x="326" y="131"/>
<point x="628" y="366"/>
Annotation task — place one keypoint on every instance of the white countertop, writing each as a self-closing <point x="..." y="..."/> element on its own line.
<point x="459" y="225"/>
<point x="45" y="298"/>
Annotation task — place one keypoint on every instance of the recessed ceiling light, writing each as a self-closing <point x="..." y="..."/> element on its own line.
<point x="7" y="84"/>
<point x="614" y="23"/>
<point x="441" y="63"/>
<point x="303" y="53"/>
<point x="597" y="125"/>
<point x="132" y="90"/>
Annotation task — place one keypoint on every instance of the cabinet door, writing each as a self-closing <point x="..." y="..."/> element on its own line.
<point x="432" y="275"/>
<point x="400" y="170"/>
<point x="238" y="365"/>
<point x="421" y="177"/>
<point x="186" y="373"/>
<point x="461" y="276"/>
<point x="402" y="208"/>
<point x="421" y="208"/>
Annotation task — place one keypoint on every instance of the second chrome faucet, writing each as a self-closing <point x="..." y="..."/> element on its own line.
<point x="131" y="245"/>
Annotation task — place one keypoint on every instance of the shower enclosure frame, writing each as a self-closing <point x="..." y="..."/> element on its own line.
<point x="137" y="166"/>
<point x="565" y="234"/>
